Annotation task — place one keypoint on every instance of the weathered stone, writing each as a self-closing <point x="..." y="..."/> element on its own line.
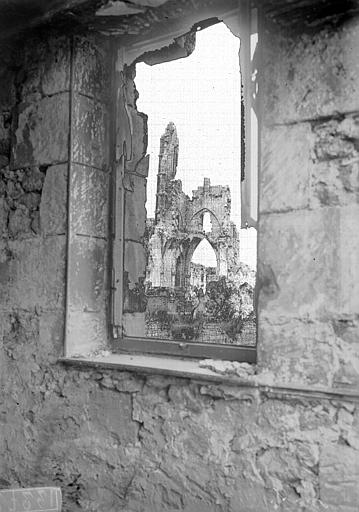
<point x="252" y="497"/>
<point x="304" y="350"/>
<point x="51" y="335"/>
<point x="348" y="260"/>
<point x="87" y="265"/>
<point x="37" y="266"/>
<point x="284" y="180"/>
<point x="92" y="67"/>
<point x="53" y="207"/>
<point x="30" y="200"/>
<point x="310" y="75"/>
<point x="311" y="240"/>
<point x="31" y="179"/>
<point x="334" y="183"/>
<point x="86" y="332"/>
<point x="118" y="422"/>
<point x="4" y="214"/>
<point x="89" y="200"/>
<point x="19" y="222"/>
<point x="90" y="133"/>
<point x="42" y="132"/>
<point x="47" y="64"/>
<point x="339" y="475"/>
<point x="336" y="139"/>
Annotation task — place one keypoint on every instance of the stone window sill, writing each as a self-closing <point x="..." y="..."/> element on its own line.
<point x="240" y="375"/>
<point x="160" y="365"/>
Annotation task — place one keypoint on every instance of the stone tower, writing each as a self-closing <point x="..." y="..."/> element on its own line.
<point x="167" y="166"/>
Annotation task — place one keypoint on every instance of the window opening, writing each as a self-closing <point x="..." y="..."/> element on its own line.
<point x="207" y="223"/>
<point x="200" y="276"/>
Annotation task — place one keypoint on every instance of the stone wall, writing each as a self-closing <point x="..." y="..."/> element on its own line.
<point x="115" y="440"/>
<point x="308" y="248"/>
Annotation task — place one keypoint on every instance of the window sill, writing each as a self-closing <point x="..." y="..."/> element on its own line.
<point x="149" y="364"/>
<point x="210" y="371"/>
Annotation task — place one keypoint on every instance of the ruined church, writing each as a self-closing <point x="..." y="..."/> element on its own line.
<point x="181" y="223"/>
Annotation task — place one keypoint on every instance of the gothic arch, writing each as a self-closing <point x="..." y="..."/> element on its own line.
<point x="192" y="246"/>
<point x="201" y="212"/>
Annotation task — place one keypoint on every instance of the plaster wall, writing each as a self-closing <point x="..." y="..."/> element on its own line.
<point x="114" y="440"/>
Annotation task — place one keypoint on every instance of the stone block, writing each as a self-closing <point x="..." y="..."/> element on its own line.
<point x="87" y="273"/>
<point x="335" y="168"/>
<point x="285" y="168"/>
<point x="89" y="200"/>
<point x="34" y="274"/>
<point x="42" y="133"/>
<point x="135" y="207"/>
<point x="309" y="75"/>
<point x="92" y="67"/>
<point x="298" y="350"/>
<point x="53" y="206"/>
<point x="90" y="133"/>
<point x="47" y="66"/>
<point x="348" y="260"/>
<point x="51" y="335"/>
<point x="338" y="478"/>
<point x="35" y="499"/>
<point x="86" y="332"/>
<point x="346" y="328"/>
<point x="334" y="183"/>
<point x="299" y="271"/>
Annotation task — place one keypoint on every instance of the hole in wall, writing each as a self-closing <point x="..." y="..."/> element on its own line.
<point x="193" y="196"/>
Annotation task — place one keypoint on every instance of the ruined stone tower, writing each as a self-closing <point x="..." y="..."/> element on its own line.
<point x="167" y="167"/>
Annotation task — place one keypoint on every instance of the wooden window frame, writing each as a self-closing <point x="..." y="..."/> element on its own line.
<point x="243" y="18"/>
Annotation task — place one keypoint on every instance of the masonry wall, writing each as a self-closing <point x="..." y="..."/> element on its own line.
<point x="119" y="441"/>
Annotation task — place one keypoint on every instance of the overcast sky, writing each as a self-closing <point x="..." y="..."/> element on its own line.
<point x="201" y="95"/>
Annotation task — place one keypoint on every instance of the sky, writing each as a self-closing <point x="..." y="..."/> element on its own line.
<point x="201" y="95"/>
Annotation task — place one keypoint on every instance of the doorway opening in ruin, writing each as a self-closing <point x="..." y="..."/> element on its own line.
<point x="199" y="285"/>
<point x="203" y="266"/>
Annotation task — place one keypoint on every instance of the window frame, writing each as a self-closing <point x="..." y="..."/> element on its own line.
<point x="146" y="345"/>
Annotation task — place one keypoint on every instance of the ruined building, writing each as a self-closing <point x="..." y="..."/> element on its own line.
<point x="180" y="223"/>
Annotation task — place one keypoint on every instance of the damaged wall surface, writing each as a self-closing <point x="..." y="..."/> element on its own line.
<point x="114" y="440"/>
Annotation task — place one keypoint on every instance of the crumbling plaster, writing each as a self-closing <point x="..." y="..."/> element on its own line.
<point x="115" y="440"/>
